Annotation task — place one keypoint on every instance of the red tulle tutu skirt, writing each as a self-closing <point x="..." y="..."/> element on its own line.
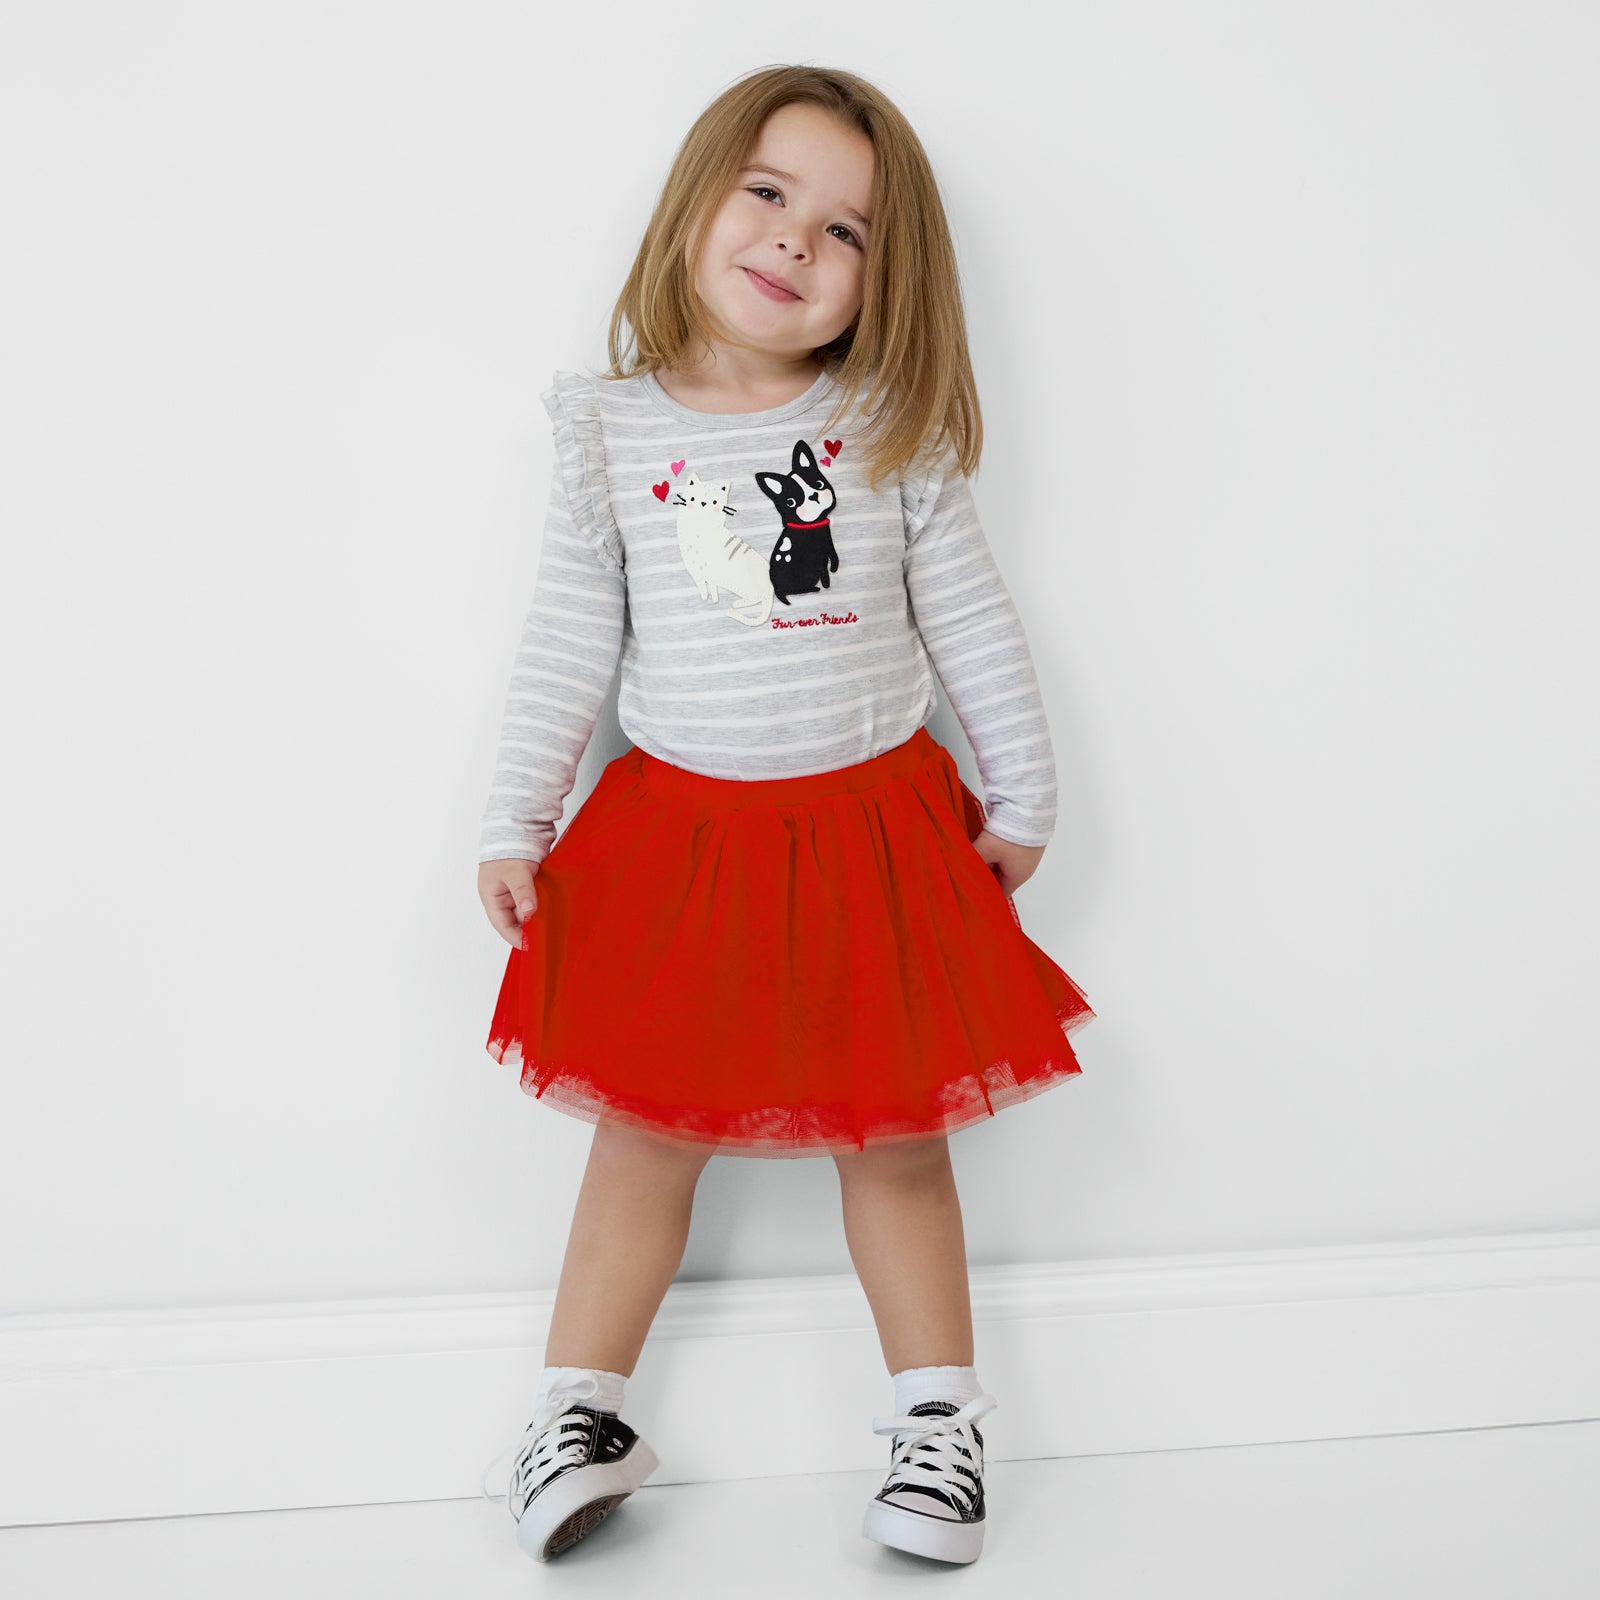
<point x="782" y="967"/>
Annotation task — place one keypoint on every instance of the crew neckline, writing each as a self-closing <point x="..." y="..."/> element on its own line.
<point x="736" y="419"/>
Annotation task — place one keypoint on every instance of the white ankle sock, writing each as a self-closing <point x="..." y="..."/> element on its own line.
<point x="609" y="1397"/>
<point x="916" y="1384"/>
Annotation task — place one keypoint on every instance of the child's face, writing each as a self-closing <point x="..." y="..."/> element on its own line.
<point x="796" y="214"/>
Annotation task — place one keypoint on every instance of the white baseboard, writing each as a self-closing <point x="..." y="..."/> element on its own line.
<point x="156" y="1414"/>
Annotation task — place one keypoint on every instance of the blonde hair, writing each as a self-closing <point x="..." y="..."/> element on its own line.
<point x="906" y="351"/>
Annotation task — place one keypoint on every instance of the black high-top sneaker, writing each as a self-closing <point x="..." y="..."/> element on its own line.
<point x="569" y="1473"/>
<point x="932" y="1501"/>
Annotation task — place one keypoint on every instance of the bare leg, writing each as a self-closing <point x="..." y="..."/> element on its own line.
<point x="627" y="1240"/>
<point x="902" y="1222"/>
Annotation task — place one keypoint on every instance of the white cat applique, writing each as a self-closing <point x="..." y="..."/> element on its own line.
<point x="717" y="558"/>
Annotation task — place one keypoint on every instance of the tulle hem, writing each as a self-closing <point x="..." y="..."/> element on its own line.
<point x="776" y="1132"/>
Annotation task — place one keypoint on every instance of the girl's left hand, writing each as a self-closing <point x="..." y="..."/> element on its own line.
<point x="1012" y="864"/>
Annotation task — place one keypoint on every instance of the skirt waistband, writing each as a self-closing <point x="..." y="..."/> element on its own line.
<point x="700" y="789"/>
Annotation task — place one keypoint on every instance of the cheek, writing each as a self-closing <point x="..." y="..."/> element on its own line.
<point x="723" y="236"/>
<point x="852" y="287"/>
<point x="715" y="251"/>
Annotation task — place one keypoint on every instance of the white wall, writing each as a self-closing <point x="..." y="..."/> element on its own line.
<point x="1285" y="324"/>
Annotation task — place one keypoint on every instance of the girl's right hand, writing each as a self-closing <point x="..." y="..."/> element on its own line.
<point x="506" y="890"/>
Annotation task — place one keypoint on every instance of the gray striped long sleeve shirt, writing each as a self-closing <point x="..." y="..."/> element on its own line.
<point x="774" y="618"/>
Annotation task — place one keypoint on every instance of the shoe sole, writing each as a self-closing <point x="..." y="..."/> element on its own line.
<point x="579" y="1502"/>
<point x="922" y="1535"/>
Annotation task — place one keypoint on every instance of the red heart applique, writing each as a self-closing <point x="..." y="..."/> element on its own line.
<point x="659" y="490"/>
<point x="833" y="446"/>
<point x="677" y="467"/>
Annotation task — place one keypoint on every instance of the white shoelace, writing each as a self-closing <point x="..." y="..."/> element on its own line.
<point x="930" y="1457"/>
<point x="559" y="1446"/>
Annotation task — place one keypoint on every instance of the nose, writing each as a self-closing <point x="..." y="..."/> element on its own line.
<point x="793" y="239"/>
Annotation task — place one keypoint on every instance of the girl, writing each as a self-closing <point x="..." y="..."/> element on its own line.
<point x="780" y="925"/>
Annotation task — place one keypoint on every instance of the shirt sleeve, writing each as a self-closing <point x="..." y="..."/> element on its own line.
<point x="565" y="660"/>
<point x="975" y="639"/>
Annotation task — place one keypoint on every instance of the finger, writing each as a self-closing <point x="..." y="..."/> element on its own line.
<point x="509" y="905"/>
<point x="518" y="881"/>
<point x="503" y="915"/>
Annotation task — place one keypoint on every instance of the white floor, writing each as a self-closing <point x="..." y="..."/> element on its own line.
<point x="1492" y="1514"/>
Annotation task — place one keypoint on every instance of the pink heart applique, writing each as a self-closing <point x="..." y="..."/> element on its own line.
<point x="659" y="490"/>
<point x="827" y="461"/>
<point x="833" y="446"/>
<point x="677" y="467"/>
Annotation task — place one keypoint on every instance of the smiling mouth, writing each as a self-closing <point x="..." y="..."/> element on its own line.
<point x="770" y="289"/>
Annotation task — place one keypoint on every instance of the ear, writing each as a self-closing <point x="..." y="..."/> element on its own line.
<point x="803" y="457"/>
<point x="773" y="485"/>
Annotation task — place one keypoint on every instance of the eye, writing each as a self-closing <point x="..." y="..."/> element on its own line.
<point x="766" y="188"/>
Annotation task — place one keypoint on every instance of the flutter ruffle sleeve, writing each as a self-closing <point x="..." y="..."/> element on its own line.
<point x="574" y="406"/>
<point x="919" y="492"/>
